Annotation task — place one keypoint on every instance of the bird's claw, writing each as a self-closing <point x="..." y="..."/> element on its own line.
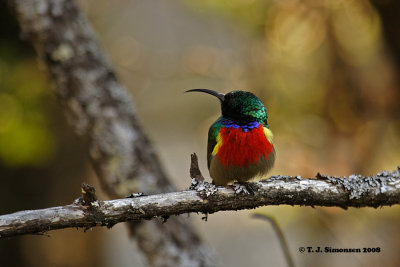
<point x="243" y="188"/>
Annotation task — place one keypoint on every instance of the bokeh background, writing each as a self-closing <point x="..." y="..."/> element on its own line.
<point x="327" y="71"/>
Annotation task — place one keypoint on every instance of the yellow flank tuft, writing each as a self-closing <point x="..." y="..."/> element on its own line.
<point x="268" y="133"/>
<point x="218" y="145"/>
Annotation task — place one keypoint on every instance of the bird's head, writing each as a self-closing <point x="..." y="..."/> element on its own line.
<point x="239" y="106"/>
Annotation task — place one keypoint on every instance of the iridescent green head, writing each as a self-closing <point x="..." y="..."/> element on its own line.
<point x="239" y="106"/>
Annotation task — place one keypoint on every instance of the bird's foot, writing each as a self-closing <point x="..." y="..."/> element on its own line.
<point x="244" y="188"/>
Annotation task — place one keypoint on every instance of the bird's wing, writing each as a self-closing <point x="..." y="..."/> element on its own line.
<point x="212" y="138"/>
<point x="268" y="134"/>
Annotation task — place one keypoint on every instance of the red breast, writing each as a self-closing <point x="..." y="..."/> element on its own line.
<point x="240" y="148"/>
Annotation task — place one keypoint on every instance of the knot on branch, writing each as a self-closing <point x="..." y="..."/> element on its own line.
<point x="195" y="172"/>
<point x="202" y="187"/>
<point x="89" y="197"/>
<point x="93" y="208"/>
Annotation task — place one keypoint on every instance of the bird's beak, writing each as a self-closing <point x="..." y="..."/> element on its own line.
<point x="208" y="91"/>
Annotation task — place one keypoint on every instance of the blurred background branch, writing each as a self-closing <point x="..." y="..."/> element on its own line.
<point x="101" y="111"/>
<point x="280" y="235"/>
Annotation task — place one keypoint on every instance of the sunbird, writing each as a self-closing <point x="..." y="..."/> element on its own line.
<point x="240" y="143"/>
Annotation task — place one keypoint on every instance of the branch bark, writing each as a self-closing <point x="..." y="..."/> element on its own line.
<point x="382" y="189"/>
<point x="101" y="111"/>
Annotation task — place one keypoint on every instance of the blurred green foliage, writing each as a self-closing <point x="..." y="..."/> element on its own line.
<point x="251" y="13"/>
<point x="25" y="138"/>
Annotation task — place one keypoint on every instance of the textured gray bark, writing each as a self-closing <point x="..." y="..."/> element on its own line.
<point x="354" y="191"/>
<point x="101" y="111"/>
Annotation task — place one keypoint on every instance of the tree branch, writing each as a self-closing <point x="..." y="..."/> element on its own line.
<point x="382" y="189"/>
